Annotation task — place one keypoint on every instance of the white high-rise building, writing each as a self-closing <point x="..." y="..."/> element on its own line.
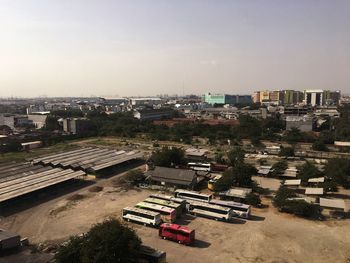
<point x="313" y="97"/>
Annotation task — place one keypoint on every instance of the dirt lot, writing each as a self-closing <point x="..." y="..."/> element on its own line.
<point x="269" y="237"/>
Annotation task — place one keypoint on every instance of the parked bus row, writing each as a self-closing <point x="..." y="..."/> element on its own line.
<point x="159" y="208"/>
<point x="239" y="209"/>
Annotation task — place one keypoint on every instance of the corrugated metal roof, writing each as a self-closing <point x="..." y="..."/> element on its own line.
<point x="314" y="191"/>
<point x="292" y="182"/>
<point x="316" y="180"/>
<point x="333" y="203"/>
<point x="172" y="175"/>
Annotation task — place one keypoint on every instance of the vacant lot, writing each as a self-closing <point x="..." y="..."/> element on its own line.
<point x="269" y="237"/>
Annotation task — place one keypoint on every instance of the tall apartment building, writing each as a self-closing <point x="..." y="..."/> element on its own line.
<point x="321" y="97"/>
<point x="76" y="125"/>
<point x="226" y="99"/>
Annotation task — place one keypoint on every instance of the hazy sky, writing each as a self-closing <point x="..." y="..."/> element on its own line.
<point x="148" y="47"/>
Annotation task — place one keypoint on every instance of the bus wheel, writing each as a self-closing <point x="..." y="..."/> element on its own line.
<point x="128" y="220"/>
<point x="216" y="219"/>
<point x="144" y="224"/>
<point x="164" y="238"/>
<point x="179" y="242"/>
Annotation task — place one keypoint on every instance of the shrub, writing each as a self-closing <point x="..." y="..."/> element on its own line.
<point x="134" y="177"/>
<point x="279" y="168"/>
<point x="253" y="199"/>
<point x="109" y="241"/>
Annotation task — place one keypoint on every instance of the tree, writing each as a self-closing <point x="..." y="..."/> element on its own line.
<point x="283" y="200"/>
<point x="302" y="208"/>
<point x="319" y="145"/>
<point x="252" y="199"/>
<point x="282" y="194"/>
<point x="219" y="158"/>
<point x="239" y="175"/>
<point x="287" y="152"/>
<point x="307" y="171"/>
<point x="235" y="156"/>
<point x="338" y="170"/>
<point x="330" y="185"/>
<point x="168" y="157"/>
<point x="10" y="145"/>
<point x="109" y="241"/>
<point x="279" y="168"/>
<point x="51" y="123"/>
<point x="242" y="174"/>
<point x="293" y="136"/>
<point x="134" y="177"/>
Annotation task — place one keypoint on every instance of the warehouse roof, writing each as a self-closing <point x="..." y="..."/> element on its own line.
<point x="196" y="152"/>
<point x="236" y="192"/>
<point x="292" y="182"/>
<point x="333" y="203"/>
<point x="314" y="191"/>
<point x="172" y="175"/>
<point x="91" y="159"/>
<point x="32" y="178"/>
<point x="316" y="180"/>
<point x="4" y="234"/>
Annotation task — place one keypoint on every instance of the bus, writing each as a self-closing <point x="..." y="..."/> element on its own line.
<point x="167" y="214"/>
<point x="192" y="195"/>
<point x="204" y="167"/>
<point x="210" y="211"/>
<point x="241" y="210"/>
<point x="176" y="206"/>
<point x="177" y="233"/>
<point x="169" y="198"/>
<point x="142" y="216"/>
<point x="212" y="182"/>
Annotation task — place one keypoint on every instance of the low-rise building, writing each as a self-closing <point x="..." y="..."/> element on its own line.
<point x="304" y="124"/>
<point x="170" y="177"/>
<point x="9" y="240"/>
<point x="153" y="114"/>
<point x="76" y="125"/>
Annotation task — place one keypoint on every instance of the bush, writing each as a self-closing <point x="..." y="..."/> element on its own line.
<point x="168" y="157"/>
<point x="279" y="168"/>
<point x="95" y="189"/>
<point x="253" y="199"/>
<point x="282" y="194"/>
<point x="319" y="146"/>
<point x="307" y="171"/>
<point x="296" y="207"/>
<point x="338" y="170"/>
<point x="302" y="208"/>
<point x="108" y="242"/>
<point x="134" y="177"/>
<point x="287" y="152"/>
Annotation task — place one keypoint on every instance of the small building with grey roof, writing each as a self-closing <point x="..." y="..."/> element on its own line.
<point x="173" y="177"/>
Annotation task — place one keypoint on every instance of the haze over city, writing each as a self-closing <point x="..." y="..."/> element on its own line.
<point x="130" y="48"/>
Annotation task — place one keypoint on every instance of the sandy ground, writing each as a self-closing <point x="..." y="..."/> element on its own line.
<point x="269" y="237"/>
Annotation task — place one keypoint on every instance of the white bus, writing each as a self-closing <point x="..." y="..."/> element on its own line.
<point x="167" y="214"/>
<point x="205" y="167"/>
<point x="241" y="210"/>
<point x="141" y="216"/>
<point x="210" y="211"/>
<point x="192" y="195"/>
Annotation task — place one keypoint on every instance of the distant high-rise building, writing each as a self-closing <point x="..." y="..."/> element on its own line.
<point x="321" y="97"/>
<point x="292" y="97"/>
<point x="256" y="97"/>
<point x="331" y="97"/>
<point x="313" y="97"/>
<point x="226" y="99"/>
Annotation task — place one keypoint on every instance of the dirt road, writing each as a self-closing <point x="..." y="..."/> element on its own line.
<point x="271" y="237"/>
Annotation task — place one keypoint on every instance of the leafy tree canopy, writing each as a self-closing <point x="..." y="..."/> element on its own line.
<point x="106" y="242"/>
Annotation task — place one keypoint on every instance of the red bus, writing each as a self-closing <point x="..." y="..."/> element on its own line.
<point x="180" y="234"/>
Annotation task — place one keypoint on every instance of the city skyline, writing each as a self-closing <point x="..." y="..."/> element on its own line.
<point x="134" y="48"/>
